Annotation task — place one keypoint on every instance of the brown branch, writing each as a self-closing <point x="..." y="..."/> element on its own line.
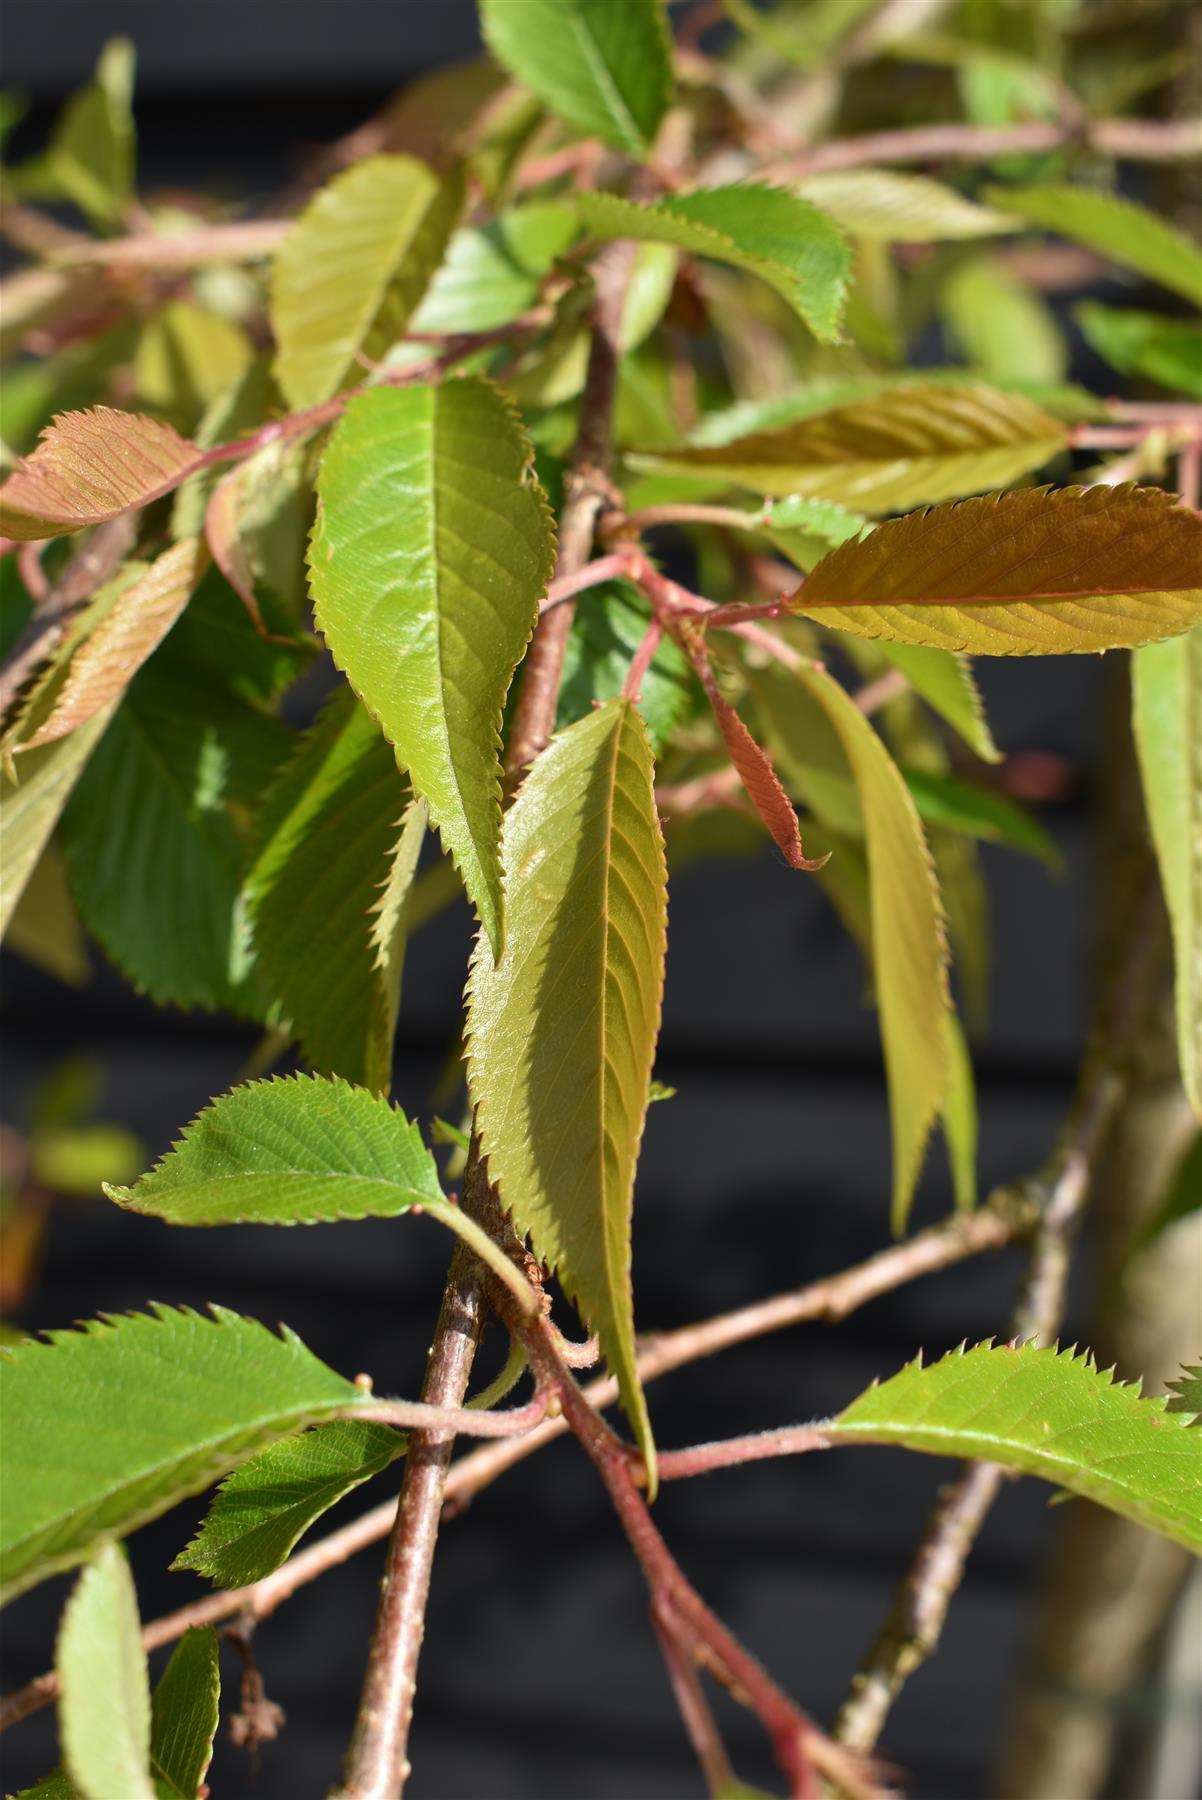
<point x="1005" y="1220"/>
<point x="1136" y="140"/>
<point x="94" y="563"/>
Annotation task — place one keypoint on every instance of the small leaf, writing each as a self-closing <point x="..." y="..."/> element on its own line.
<point x="31" y="806"/>
<point x="1142" y="343"/>
<point x="1036" y="573"/>
<point x="946" y="682"/>
<point x="91" y="466"/>
<point x="260" y="1512"/>
<point x="1046" y="1412"/>
<point x="104" y="1690"/>
<point x="602" y="65"/>
<point x="432" y="546"/>
<point x="106" y="662"/>
<point x="1187" y="1395"/>
<point x="91" y="155"/>
<point x="297" y="1150"/>
<point x="184" y="1714"/>
<point x="763" y="785"/>
<point x="562" y="1030"/>
<point x="893" y="208"/>
<point x="353" y="268"/>
<point x="787" y="242"/>
<point x="904" y="447"/>
<point x="389" y="936"/>
<point x="187" y="357"/>
<point x="148" y="1409"/>
<point x="1167" y="688"/>
<point x="494" y="272"/>
<point x="1115" y="227"/>
<point x="325" y="836"/>
<point x="980" y="812"/>
<point x="44" y="928"/>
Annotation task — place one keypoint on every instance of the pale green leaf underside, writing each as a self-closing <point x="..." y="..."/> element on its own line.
<point x="432" y="547"/>
<point x="297" y="1150"/>
<point x="900" y="209"/>
<point x="1167" y="691"/>
<point x="602" y="65"/>
<point x="1185" y="1395"/>
<point x="184" y="1713"/>
<point x="790" y="244"/>
<point x="353" y="268"/>
<point x="1035" y="573"/>
<point x="562" y="1030"/>
<point x="909" y="446"/>
<point x="1046" y="1412"/>
<point x="104" y="1698"/>
<point x="263" y="1508"/>
<point x="148" y="1409"/>
<point x="1115" y="227"/>
<point x="30" y="808"/>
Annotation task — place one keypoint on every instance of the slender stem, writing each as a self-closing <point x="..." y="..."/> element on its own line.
<point x="1005" y="1220"/>
<point x="468" y="1421"/>
<point x="694" y="1708"/>
<point x="733" y="1453"/>
<point x="641" y="661"/>
<point x="1137" y="140"/>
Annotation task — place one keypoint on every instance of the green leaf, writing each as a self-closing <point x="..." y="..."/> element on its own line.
<point x="1036" y="573"/>
<point x="787" y="242"/>
<point x="262" y="1510"/>
<point x="1187" y="1395"/>
<point x="391" y="919"/>
<point x="432" y="546"/>
<point x="606" y="631"/>
<point x="959" y="1113"/>
<point x="1182" y="1197"/>
<point x="1047" y="1412"/>
<point x="494" y="272"/>
<point x="44" y="927"/>
<point x="1001" y="325"/>
<point x="946" y="682"/>
<point x="1167" y="683"/>
<point x="297" y="1150"/>
<point x="104" y="1690"/>
<point x="90" y="466"/>
<point x="148" y="1409"/>
<point x="91" y="155"/>
<point x="562" y="1030"/>
<point x="184" y="1714"/>
<point x="1115" y="227"/>
<point x="187" y="357"/>
<point x="30" y="807"/>
<point x="980" y="812"/>
<point x="325" y="835"/>
<point x="353" y="268"/>
<point x="58" y="1786"/>
<point x="601" y="65"/>
<point x="894" y="208"/>
<point x="905" y="447"/>
<point x="1142" y="343"/>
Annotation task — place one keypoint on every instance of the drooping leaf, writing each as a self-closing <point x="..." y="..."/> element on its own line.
<point x="90" y="466"/>
<point x="187" y="357"/>
<point x="606" y="631"/>
<point x="184" y="1713"/>
<point x="148" y="1409"/>
<point x="602" y="65"/>
<point x="1186" y="1394"/>
<point x="1167" y="685"/>
<point x="494" y="272"/>
<point x="1030" y="573"/>
<point x="353" y="268"/>
<point x="90" y="159"/>
<point x="325" y="836"/>
<point x="790" y="244"/>
<point x="980" y="812"/>
<point x="906" y="447"/>
<point x="388" y="937"/>
<point x="104" y="1689"/>
<point x="762" y="784"/>
<point x="1143" y="343"/>
<point x="261" y="1511"/>
<point x="44" y="927"/>
<point x="900" y="209"/>
<point x="807" y="749"/>
<point x="432" y="546"/>
<point x="105" y="663"/>
<point x="30" y="808"/>
<point x="946" y="682"/>
<point x="1046" y="1412"/>
<point x="562" y="1030"/>
<point x="256" y="523"/>
<point x="1117" y="228"/>
<point x="1000" y="325"/>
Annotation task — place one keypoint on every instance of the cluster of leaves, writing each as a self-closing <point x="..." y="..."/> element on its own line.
<point x="383" y="481"/>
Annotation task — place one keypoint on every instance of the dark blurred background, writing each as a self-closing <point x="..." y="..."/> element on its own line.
<point x="540" y="1677"/>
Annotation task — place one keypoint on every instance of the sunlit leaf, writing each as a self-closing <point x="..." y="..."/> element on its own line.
<point x="353" y="268"/>
<point x="187" y="356"/>
<point x="494" y="272"/>
<point x="184" y="1712"/>
<point x="606" y="631"/>
<point x="261" y="1511"/>
<point x="980" y="812"/>
<point x="90" y="466"/>
<point x="1045" y="1412"/>
<point x="784" y="240"/>
<point x="210" y="1391"/>
<point x="1030" y="573"/>
<point x="900" y="209"/>
<point x="432" y="546"/>
<point x="104" y="1689"/>
<point x="602" y="65"/>
<point x="946" y="682"/>
<point x="1116" y="227"/>
<point x="1167" y="682"/>
<point x="562" y="1030"/>
<point x="905" y="447"/>
<point x="1143" y="343"/>
<point x="1186" y="1395"/>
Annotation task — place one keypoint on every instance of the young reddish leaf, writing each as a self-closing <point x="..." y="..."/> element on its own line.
<point x="224" y="537"/>
<point x="107" y="661"/>
<point x="1035" y="573"/>
<point x="90" y="466"/>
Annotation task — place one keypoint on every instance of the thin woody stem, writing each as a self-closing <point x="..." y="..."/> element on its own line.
<point x="693" y="1707"/>
<point x="1136" y="140"/>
